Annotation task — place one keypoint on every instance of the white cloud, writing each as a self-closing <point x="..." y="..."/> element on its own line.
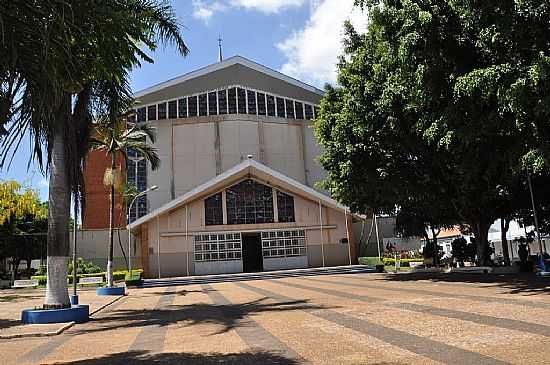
<point x="312" y="52"/>
<point x="268" y="6"/>
<point x="205" y="10"/>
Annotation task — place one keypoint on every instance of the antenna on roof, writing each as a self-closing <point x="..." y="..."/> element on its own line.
<point x="220" y="57"/>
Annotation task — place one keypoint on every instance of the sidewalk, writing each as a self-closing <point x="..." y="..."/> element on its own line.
<point x="12" y="302"/>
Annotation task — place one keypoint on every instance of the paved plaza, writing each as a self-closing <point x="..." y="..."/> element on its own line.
<point x="362" y="318"/>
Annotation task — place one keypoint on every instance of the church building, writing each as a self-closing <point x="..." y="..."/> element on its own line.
<point x="236" y="189"/>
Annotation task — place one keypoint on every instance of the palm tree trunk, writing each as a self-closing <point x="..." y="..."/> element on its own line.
<point x="58" y="219"/>
<point x="111" y="222"/>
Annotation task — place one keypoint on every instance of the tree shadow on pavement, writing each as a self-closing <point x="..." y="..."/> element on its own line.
<point x="7" y="323"/>
<point x="184" y="358"/>
<point x="227" y="316"/>
<point x="527" y="283"/>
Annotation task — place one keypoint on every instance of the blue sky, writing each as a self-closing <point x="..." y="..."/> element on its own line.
<point x="301" y="38"/>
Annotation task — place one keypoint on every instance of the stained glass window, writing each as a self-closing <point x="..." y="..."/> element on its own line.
<point x="232" y="102"/>
<point x="173" y="109"/>
<point x="249" y="202"/>
<point x="299" y="107"/>
<point x="271" y="105"/>
<point x="261" y="104"/>
<point x="192" y="106"/>
<point x="222" y="101"/>
<point x="182" y="108"/>
<point x="241" y="100"/>
<point x="281" y="108"/>
<point x="152" y="112"/>
<point x="285" y="207"/>
<point x="202" y="105"/>
<point x="308" y="111"/>
<point x="290" y="109"/>
<point x="251" y="102"/>
<point x="213" y="211"/>
<point x="161" y="111"/>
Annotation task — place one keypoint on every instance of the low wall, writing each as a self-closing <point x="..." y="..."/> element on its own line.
<point x="93" y="245"/>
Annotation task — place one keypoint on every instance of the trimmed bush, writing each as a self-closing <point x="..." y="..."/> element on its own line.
<point x="404" y="262"/>
<point x="133" y="278"/>
<point x="117" y="276"/>
<point x="370" y="261"/>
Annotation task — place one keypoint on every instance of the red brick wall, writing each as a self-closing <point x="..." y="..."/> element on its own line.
<point x="96" y="214"/>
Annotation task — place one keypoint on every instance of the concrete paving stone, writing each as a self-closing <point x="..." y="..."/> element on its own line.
<point x="318" y="340"/>
<point x="499" y="343"/>
<point x="330" y="319"/>
<point x="419" y="344"/>
<point x="196" y="329"/>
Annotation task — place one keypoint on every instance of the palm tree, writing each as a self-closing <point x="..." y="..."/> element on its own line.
<point x="63" y="63"/>
<point x="117" y="140"/>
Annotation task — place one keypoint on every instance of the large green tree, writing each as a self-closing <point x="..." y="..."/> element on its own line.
<point x="64" y="62"/>
<point x="448" y="100"/>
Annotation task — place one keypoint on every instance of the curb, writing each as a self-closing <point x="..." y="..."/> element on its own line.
<point x="38" y="334"/>
<point x="59" y="330"/>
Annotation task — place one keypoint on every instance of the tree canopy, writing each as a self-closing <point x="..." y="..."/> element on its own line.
<point x="442" y="103"/>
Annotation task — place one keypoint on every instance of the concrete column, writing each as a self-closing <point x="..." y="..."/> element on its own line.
<point x="217" y="148"/>
<point x="261" y="141"/>
<point x="303" y="152"/>
<point x="275" y="207"/>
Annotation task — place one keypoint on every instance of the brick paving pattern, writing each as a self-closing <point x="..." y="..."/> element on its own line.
<point x="360" y="318"/>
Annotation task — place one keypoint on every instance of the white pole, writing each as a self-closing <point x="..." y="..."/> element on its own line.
<point x="347" y="235"/>
<point x="322" y="238"/>
<point x="158" y="244"/>
<point x="187" y="238"/>
<point x="377" y="238"/>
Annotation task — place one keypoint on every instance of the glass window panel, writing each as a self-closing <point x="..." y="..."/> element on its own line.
<point x="285" y="207"/>
<point x="213" y="212"/>
<point x="152" y="112"/>
<point x="249" y="202"/>
<point x="281" y="107"/>
<point x="271" y="105"/>
<point x="192" y="106"/>
<point x="161" y="110"/>
<point x="251" y="101"/>
<point x="308" y="111"/>
<point x="261" y="104"/>
<point x="299" y="107"/>
<point x="222" y="101"/>
<point x="141" y="114"/>
<point x="182" y="108"/>
<point x="212" y="104"/>
<point x="232" y="102"/>
<point x="173" y="109"/>
<point x="289" y="109"/>
<point x="202" y="105"/>
<point x="241" y="101"/>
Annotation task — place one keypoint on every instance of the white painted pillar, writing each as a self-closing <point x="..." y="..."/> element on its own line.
<point x="377" y="237"/>
<point x="158" y="245"/>
<point x="347" y="235"/>
<point x="187" y="239"/>
<point x="321" y="229"/>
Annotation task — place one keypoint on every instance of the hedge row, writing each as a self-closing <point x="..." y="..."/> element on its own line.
<point x="404" y="262"/>
<point x="117" y="276"/>
<point x="386" y="261"/>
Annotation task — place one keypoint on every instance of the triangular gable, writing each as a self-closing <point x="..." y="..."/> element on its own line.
<point x="166" y="89"/>
<point x="248" y="167"/>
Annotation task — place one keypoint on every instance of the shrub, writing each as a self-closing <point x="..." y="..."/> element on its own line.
<point x="404" y="262"/>
<point x="370" y="261"/>
<point x="117" y="276"/>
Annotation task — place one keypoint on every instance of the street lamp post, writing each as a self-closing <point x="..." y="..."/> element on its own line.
<point x="154" y="187"/>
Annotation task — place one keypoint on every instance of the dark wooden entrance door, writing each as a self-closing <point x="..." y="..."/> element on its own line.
<point x="252" y="252"/>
